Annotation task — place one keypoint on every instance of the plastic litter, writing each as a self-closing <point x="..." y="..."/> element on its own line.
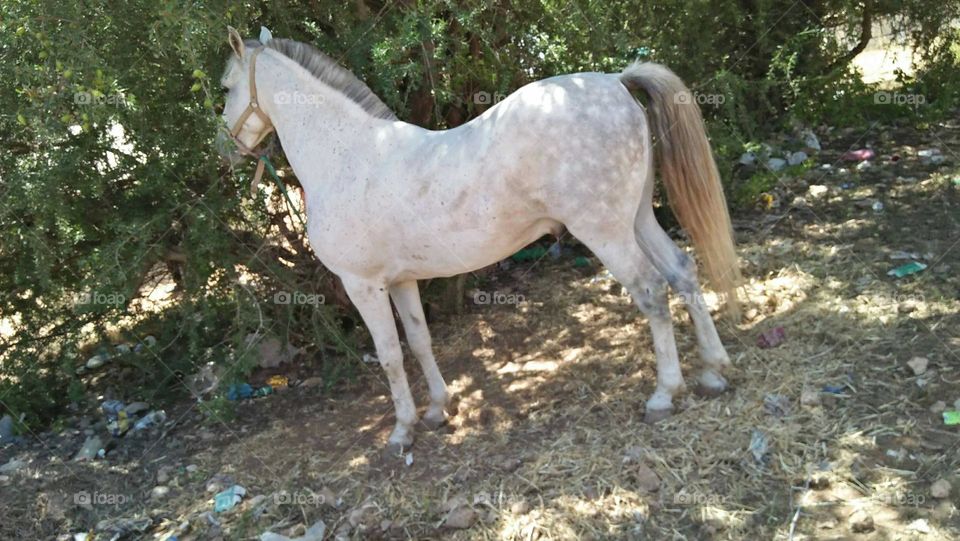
<point x="239" y="391"/>
<point x="810" y="140"/>
<point x="951" y="417"/>
<point x="581" y="261"/>
<point x="6" y="429"/>
<point x="118" y="422"/>
<point x="776" y="405"/>
<point x="150" y="420"/>
<point x="858" y="155"/>
<point x="529" y="254"/>
<point x="900" y="254"/>
<point x="834" y="389"/>
<point x="278" y="381"/>
<point x="227" y="499"/>
<point x="759" y="445"/>
<point x="313" y="533"/>
<point x="90" y="449"/>
<point x="912" y="267"/>
<point x="771" y="338"/>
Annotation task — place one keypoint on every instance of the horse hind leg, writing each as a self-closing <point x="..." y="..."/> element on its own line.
<point x="679" y="270"/>
<point x="623" y="257"/>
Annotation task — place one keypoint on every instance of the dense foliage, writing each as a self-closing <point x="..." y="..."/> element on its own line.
<point x="108" y="180"/>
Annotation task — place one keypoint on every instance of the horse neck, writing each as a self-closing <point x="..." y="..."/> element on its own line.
<point x="315" y="123"/>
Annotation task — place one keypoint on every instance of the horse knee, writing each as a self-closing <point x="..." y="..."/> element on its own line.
<point x="391" y="359"/>
<point x="652" y="300"/>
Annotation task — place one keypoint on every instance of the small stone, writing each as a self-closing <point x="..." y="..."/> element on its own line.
<point x="918" y="365"/>
<point x="920" y="526"/>
<point x="907" y="307"/>
<point x="97" y="361"/>
<point x="219" y="482"/>
<point x="956" y="404"/>
<point x="861" y="522"/>
<point x="13" y="465"/>
<point x="647" y="479"/>
<point x="940" y="489"/>
<point x="163" y="475"/>
<point x="938" y="407"/>
<point x="810" y="397"/>
<point x="315" y="381"/>
<point x="776" y="164"/>
<point x="363" y="516"/>
<point x="328" y="497"/>
<point x="510" y="464"/>
<point x="461" y="518"/>
<point x="159" y="492"/>
<point x="796" y="158"/>
<point x="192" y="468"/>
<point x="817" y="190"/>
<point x="634" y="454"/>
<point x="520" y="508"/>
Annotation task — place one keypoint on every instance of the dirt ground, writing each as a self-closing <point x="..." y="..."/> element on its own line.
<point x="830" y="435"/>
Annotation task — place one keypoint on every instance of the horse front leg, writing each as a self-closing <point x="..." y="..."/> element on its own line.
<point x="406" y="297"/>
<point x="373" y="303"/>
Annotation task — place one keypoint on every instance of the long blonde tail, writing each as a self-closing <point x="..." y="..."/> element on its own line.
<point x="689" y="173"/>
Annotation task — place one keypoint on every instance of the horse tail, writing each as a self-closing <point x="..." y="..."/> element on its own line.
<point x="689" y="173"/>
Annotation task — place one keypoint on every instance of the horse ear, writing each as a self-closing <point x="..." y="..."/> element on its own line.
<point x="236" y="42"/>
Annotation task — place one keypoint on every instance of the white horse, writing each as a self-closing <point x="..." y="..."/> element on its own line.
<point x="389" y="203"/>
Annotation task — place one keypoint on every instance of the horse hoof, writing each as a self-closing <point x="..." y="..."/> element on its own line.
<point x="711" y="384"/>
<point x="710" y="391"/>
<point x="434" y="424"/>
<point x="394" y="450"/>
<point x="656" y="415"/>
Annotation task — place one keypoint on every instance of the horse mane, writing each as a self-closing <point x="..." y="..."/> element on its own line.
<point x="328" y="72"/>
